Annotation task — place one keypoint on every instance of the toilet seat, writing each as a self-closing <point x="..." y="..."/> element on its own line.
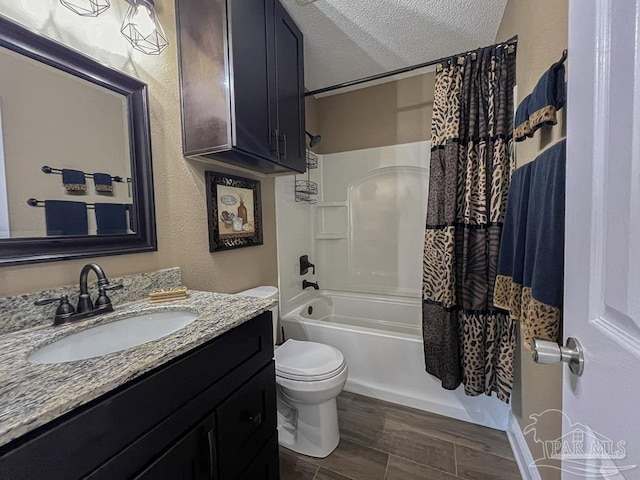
<point x="308" y="361"/>
<point x="309" y="378"/>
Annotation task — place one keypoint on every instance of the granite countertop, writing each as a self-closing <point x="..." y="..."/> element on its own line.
<point x="33" y="395"/>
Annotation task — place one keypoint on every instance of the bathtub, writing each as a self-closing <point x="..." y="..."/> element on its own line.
<point x="381" y="339"/>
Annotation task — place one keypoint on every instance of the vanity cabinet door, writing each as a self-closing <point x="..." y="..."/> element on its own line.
<point x="266" y="465"/>
<point x="246" y="421"/>
<point x="290" y="76"/>
<point x="190" y="458"/>
<point x="251" y="24"/>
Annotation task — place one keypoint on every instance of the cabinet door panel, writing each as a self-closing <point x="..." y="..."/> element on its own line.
<point x="246" y="420"/>
<point x="290" y="85"/>
<point x="266" y="465"/>
<point x="190" y="458"/>
<point x="253" y="76"/>
<point x="206" y="116"/>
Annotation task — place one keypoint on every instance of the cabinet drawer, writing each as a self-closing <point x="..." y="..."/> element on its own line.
<point x="246" y="421"/>
<point x="266" y="466"/>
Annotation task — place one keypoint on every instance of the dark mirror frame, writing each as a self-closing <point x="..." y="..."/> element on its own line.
<point x="50" y="249"/>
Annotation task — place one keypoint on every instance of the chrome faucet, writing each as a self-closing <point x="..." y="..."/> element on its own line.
<point x="86" y="308"/>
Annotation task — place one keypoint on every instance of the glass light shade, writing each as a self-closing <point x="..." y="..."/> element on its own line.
<point x="86" y="8"/>
<point x="142" y="28"/>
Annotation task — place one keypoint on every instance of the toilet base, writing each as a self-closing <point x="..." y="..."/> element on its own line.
<point x="308" y="429"/>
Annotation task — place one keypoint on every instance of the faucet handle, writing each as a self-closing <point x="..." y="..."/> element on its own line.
<point x="64" y="310"/>
<point x="305" y="264"/>
<point x="46" y="301"/>
<point x="103" y="301"/>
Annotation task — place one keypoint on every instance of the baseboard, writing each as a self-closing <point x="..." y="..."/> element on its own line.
<point x="521" y="451"/>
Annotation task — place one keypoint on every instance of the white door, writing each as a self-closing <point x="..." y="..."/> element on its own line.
<point x="602" y="279"/>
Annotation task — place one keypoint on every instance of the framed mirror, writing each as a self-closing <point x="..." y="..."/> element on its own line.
<point x="75" y="154"/>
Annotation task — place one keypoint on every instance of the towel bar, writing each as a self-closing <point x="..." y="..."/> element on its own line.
<point x="48" y="169"/>
<point x="40" y="203"/>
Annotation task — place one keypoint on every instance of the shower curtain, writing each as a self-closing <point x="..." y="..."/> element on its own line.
<point x="466" y="339"/>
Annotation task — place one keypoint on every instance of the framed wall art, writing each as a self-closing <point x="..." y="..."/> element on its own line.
<point x="234" y="211"/>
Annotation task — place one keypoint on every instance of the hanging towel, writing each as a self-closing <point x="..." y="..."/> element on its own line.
<point x="132" y="217"/>
<point x="530" y="276"/>
<point x="103" y="182"/>
<point x="547" y="98"/>
<point x="522" y="127"/>
<point x="73" y="180"/>
<point x="66" y="218"/>
<point x="111" y="218"/>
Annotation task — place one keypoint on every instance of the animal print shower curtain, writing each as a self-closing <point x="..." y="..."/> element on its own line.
<point x="466" y="339"/>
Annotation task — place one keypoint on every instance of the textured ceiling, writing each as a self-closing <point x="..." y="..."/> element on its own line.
<point x="350" y="39"/>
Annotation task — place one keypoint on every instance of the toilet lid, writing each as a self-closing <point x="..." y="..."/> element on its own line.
<point x="307" y="360"/>
<point x="261" y="292"/>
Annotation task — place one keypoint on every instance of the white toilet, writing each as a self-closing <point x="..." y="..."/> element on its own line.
<point x="309" y="376"/>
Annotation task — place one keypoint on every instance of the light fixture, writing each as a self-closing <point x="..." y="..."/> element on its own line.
<point x="142" y="28"/>
<point x="86" y="8"/>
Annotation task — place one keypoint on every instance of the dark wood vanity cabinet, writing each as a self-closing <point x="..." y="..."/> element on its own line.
<point x="209" y="414"/>
<point x="242" y="83"/>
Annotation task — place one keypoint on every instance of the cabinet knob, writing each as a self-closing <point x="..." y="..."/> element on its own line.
<point x="254" y="419"/>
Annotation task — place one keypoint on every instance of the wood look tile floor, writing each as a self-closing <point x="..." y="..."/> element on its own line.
<point x="384" y="441"/>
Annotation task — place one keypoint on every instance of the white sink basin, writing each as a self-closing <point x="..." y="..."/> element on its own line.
<point x="113" y="337"/>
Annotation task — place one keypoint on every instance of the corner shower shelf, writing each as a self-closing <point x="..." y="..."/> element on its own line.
<point x="306" y="190"/>
<point x="331" y="236"/>
<point x="331" y="204"/>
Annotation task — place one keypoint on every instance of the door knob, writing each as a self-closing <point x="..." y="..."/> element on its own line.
<point x="549" y="353"/>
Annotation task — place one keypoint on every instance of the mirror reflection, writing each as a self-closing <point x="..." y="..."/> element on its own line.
<point x="65" y="154"/>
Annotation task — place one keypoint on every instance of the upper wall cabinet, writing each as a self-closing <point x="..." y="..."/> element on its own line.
<point x="242" y="83"/>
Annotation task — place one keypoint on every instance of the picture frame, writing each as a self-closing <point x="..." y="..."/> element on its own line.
<point x="234" y="209"/>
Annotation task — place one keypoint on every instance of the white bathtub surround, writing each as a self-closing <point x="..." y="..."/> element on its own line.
<point x="369" y="227"/>
<point x="294" y="236"/>
<point x="381" y="340"/>
<point x="366" y="237"/>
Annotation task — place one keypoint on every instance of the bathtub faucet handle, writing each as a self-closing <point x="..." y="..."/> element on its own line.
<point x="306" y="285"/>
<point x="305" y="265"/>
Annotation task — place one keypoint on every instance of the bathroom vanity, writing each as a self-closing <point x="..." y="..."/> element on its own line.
<point x="197" y="404"/>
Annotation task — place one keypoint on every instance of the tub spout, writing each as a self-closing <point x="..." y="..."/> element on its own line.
<point x="306" y="285"/>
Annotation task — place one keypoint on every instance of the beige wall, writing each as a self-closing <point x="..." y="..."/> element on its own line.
<point x="312" y="121"/>
<point x="179" y="183"/>
<point x="542" y="29"/>
<point x="388" y="114"/>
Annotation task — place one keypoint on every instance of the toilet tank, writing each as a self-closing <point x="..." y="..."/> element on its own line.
<point x="266" y="292"/>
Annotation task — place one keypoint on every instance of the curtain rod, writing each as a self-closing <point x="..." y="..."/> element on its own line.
<point x="513" y="40"/>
